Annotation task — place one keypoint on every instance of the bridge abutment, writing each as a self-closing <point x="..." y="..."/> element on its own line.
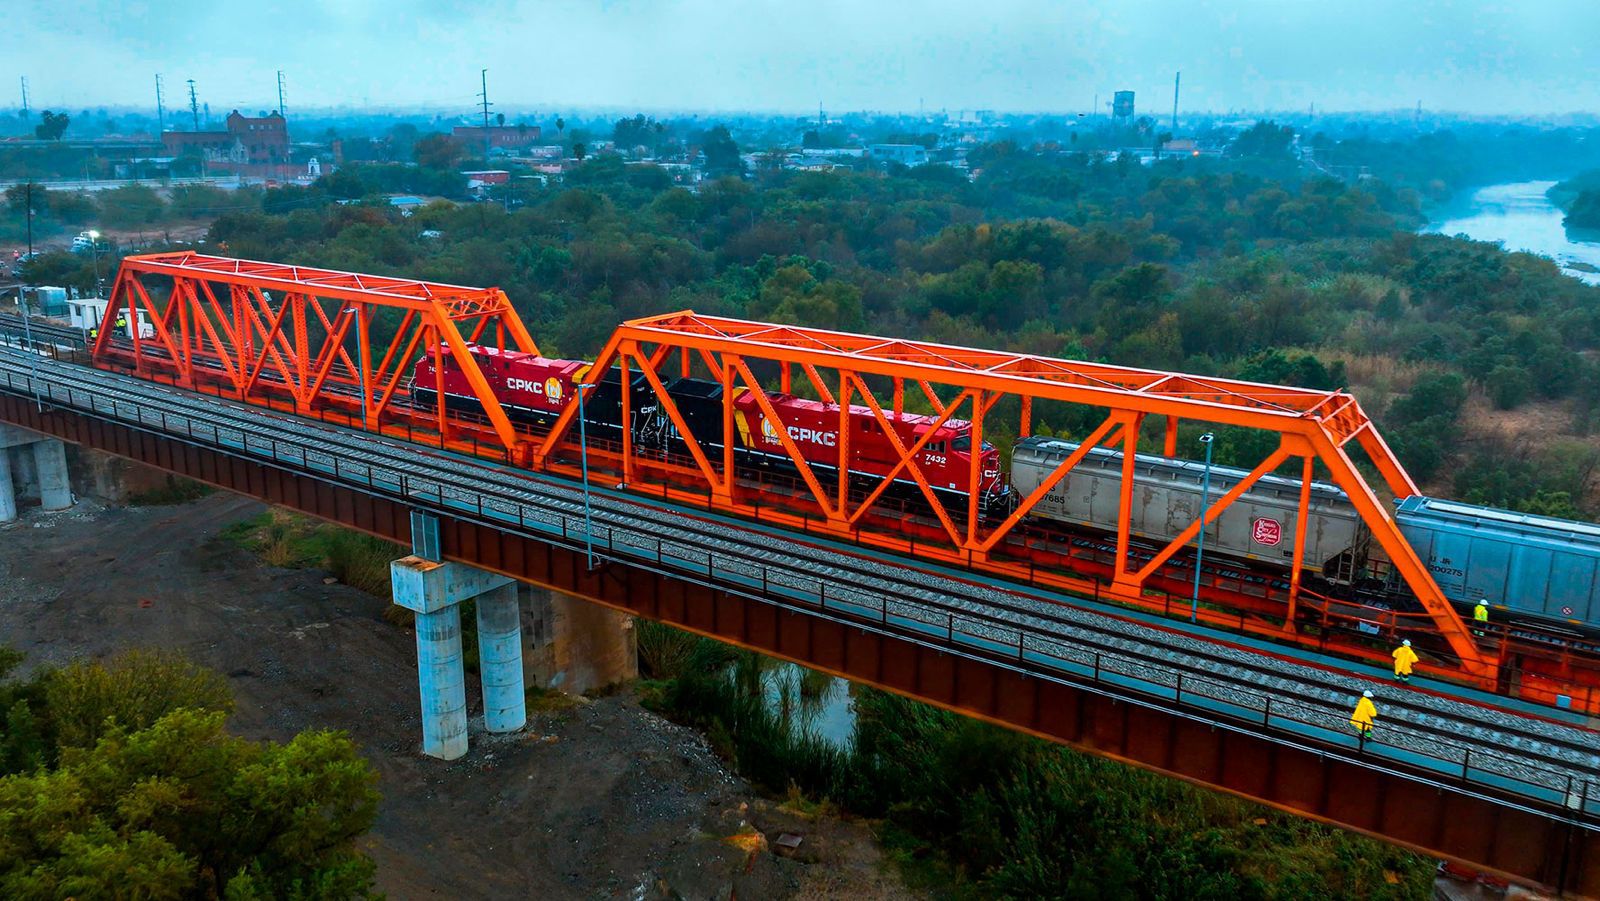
<point x="29" y="460"/>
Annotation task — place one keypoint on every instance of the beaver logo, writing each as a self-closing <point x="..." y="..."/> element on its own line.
<point x="552" y="390"/>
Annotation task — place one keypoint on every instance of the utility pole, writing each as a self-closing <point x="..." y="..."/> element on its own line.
<point x="161" y="111"/>
<point x="280" y="93"/>
<point x="484" y="74"/>
<point x="25" y="96"/>
<point x="1176" y="81"/>
<point x="194" y="105"/>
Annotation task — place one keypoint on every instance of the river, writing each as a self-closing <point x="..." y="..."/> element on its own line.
<point x="1519" y="216"/>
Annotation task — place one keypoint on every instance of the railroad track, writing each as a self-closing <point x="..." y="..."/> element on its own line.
<point x="1492" y="747"/>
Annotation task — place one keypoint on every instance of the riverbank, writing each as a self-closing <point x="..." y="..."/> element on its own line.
<point x="971" y="810"/>
<point x="1520" y="216"/>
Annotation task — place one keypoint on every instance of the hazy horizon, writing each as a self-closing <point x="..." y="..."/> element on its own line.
<point x="1466" y="57"/>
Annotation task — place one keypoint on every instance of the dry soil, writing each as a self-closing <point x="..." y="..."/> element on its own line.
<point x="600" y="800"/>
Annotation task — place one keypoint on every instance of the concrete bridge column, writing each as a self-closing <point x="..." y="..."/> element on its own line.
<point x="8" y="495"/>
<point x="505" y="703"/>
<point x="47" y="462"/>
<point x="55" y="488"/>
<point x="434" y="591"/>
<point x="442" y="683"/>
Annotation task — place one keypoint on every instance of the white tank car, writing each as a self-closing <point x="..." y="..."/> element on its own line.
<point x="1260" y="525"/>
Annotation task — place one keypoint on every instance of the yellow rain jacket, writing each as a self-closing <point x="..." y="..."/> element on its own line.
<point x="1481" y="613"/>
<point x="1403" y="658"/>
<point x="1366" y="713"/>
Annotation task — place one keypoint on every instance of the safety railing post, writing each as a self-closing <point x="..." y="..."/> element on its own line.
<point x="1266" y="714"/>
<point x="1466" y="764"/>
<point x="1096" y="665"/>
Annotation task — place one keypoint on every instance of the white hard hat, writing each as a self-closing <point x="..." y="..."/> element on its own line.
<point x="1407" y="642"/>
<point x="1366" y="694"/>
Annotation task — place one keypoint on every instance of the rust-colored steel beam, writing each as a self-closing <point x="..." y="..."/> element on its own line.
<point x="1437" y="819"/>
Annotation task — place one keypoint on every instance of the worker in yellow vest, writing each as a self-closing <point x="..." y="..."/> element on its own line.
<point x="1480" y="616"/>
<point x="1366" y="713"/>
<point x="1403" y="658"/>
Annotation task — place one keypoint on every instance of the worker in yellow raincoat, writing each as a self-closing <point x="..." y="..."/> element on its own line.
<point x="1480" y="616"/>
<point x="1366" y="713"/>
<point x="1403" y="658"/>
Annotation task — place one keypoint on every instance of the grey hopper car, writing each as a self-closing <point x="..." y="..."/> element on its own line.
<point x="1259" y="526"/>
<point x="1536" y="565"/>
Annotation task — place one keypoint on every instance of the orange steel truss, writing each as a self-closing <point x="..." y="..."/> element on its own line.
<point x="324" y="338"/>
<point x="841" y="368"/>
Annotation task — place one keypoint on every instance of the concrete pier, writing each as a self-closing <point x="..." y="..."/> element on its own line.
<point x="505" y="707"/>
<point x="29" y="461"/>
<point x="50" y="461"/>
<point x="8" y="495"/>
<point x="434" y="591"/>
<point x="442" y="682"/>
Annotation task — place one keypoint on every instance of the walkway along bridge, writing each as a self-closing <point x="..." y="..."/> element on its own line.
<point x="1457" y="772"/>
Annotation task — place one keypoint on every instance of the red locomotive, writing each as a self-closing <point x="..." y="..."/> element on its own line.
<point x="534" y="390"/>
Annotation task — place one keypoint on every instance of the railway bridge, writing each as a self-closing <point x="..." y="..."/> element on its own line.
<point x="1497" y="782"/>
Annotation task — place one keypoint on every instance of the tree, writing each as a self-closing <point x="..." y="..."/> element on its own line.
<point x="1264" y="139"/>
<point x="51" y="126"/>
<point x="635" y="132"/>
<point x="722" y="154"/>
<point x="436" y="151"/>
<point x="580" y="151"/>
<point x="131" y="206"/>
<point x="145" y="795"/>
<point x="561" y="126"/>
<point x="500" y="119"/>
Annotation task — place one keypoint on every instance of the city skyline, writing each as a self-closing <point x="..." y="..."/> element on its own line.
<point x="1483" y="57"/>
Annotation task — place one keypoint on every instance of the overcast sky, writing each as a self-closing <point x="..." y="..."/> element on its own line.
<point x="1533" y="56"/>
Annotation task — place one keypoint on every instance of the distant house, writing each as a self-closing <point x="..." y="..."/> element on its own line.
<point x="904" y="154"/>
<point x="499" y="137"/>
<point x="479" y="177"/>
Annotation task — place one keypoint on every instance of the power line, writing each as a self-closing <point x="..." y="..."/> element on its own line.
<point x="280" y="93"/>
<point x="24" y="96"/>
<point x="194" y="105"/>
<point x="161" y="112"/>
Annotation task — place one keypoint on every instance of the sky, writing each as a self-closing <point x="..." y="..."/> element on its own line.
<point x="1531" y="57"/>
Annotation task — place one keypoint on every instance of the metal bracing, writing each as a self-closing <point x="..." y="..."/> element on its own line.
<point x="1312" y="425"/>
<point x="319" y="336"/>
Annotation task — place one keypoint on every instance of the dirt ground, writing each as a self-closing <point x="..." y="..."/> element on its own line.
<point x="600" y="800"/>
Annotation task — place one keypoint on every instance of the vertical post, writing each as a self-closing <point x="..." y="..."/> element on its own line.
<point x="362" y="337"/>
<point x="583" y="460"/>
<point x="1200" y="548"/>
<point x="1170" y="449"/>
<point x="1301" y="522"/>
<point x="844" y="444"/>
<point x="785" y="379"/>
<point x="975" y="469"/>
<point x="899" y="397"/>
<point x="627" y="420"/>
<point x="1025" y="426"/>
<point x="727" y="423"/>
<point x="1130" y="449"/>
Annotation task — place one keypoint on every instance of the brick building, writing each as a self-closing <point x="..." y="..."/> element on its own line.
<point x="500" y="137"/>
<point x="262" y="139"/>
